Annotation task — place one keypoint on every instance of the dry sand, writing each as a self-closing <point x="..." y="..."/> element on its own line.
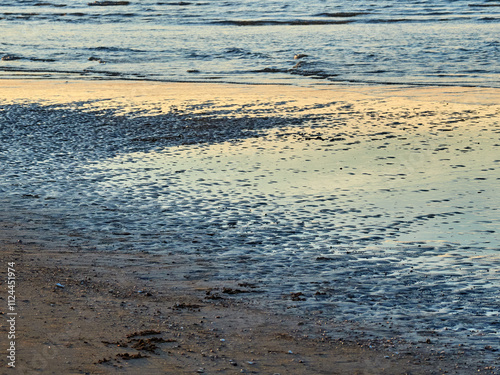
<point x="99" y="318"/>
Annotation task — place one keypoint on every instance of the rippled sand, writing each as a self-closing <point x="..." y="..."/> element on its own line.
<point x="377" y="206"/>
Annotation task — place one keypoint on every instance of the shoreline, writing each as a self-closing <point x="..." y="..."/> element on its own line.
<point x="273" y="111"/>
<point x="312" y="82"/>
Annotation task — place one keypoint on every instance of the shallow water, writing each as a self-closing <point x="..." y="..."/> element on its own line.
<point x="394" y="229"/>
<point x="416" y="42"/>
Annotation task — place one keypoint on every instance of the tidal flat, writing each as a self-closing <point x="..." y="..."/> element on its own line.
<point x="370" y="209"/>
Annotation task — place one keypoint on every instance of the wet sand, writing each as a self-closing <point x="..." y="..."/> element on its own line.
<point x="361" y="217"/>
<point x="101" y="313"/>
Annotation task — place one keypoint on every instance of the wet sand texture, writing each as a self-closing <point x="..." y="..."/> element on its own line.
<point x="363" y="215"/>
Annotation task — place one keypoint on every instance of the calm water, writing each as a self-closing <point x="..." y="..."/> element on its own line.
<point x="413" y="42"/>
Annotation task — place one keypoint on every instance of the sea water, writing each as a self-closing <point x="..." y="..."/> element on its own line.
<point x="433" y="42"/>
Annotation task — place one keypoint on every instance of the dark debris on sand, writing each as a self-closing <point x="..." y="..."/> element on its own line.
<point x="69" y="132"/>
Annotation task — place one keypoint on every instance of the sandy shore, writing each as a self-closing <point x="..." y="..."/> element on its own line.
<point x="100" y="313"/>
<point x="249" y="175"/>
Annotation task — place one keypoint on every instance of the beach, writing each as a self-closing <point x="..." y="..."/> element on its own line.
<point x="234" y="228"/>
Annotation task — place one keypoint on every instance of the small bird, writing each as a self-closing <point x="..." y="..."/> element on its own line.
<point x="300" y="56"/>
